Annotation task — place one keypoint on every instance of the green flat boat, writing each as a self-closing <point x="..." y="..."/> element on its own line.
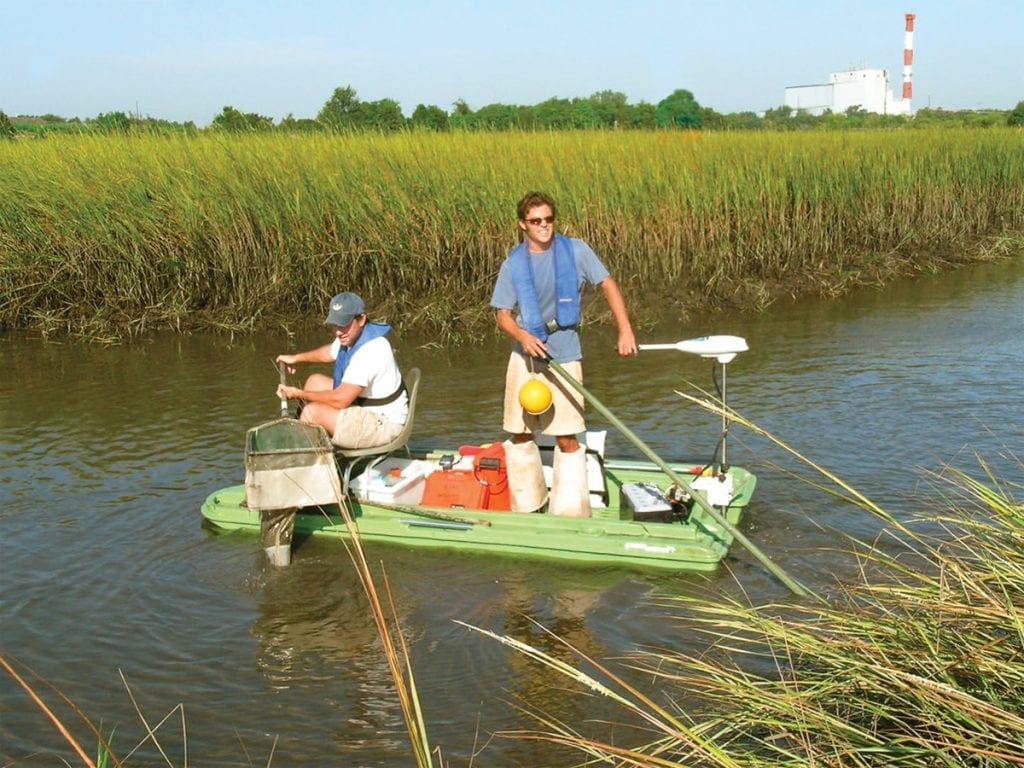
<point x="644" y="513"/>
<point x="638" y="517"/>
<point x="647" y="514"/>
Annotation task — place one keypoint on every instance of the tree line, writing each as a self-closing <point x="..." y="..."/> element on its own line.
<point x="345" y="112"/>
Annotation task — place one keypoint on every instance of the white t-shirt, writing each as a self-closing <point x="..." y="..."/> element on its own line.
<point x="373" y="367"/>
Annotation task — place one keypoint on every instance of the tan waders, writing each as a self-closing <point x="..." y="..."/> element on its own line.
<point x="526" y="486"/>
<point x="570" y="493"/>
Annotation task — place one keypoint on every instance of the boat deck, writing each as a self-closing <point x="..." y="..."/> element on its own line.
<point x="688" y="539"/>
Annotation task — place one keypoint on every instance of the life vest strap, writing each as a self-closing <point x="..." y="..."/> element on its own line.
<point x="363" y="401"/>
<point x="567" y="309"/>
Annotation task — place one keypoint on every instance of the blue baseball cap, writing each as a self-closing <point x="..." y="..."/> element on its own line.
<point x="343" y="308"/>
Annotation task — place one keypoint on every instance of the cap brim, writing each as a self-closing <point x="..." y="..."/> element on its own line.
<point x="339" y="319"/>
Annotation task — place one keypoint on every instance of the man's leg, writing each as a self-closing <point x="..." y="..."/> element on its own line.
<point x="570" y="491"/>
<point x="318" y="413"/>
<point x="568" y="443"/>
<point x="358" y="427"/>
<point x="526" y="487"/>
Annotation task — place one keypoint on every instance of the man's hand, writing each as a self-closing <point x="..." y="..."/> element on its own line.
<point x="533" y="346"/>
<point x="627" y="344"/>
<point x="288" y="360"/>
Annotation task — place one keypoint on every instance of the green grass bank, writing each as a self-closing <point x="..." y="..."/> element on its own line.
<point x="115" y="235"/>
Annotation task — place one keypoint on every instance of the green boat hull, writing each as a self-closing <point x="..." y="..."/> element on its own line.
<point x="691" y="541"/>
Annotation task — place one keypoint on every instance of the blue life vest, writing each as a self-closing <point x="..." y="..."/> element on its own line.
<point x="567" y="287"/>
<point x="370" y="332"/>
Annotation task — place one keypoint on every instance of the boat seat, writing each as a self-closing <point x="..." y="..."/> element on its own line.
<point x="351" y="458"/>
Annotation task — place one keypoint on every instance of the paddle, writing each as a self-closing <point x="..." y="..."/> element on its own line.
<point x="794" y="587"/>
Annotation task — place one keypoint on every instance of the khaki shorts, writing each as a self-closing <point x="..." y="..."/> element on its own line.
<point x="564" y="417"/>
<point x="363" y="428"/>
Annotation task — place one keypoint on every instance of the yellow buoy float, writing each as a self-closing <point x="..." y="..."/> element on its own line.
<point x="535" y="397"/>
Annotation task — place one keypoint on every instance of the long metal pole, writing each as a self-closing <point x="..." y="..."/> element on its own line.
<point x="725" y="421"/>
<point x="794" y="586"/>
<point x="284" y="380"/>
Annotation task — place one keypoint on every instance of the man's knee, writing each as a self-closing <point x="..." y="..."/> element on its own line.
<point x="568" y="443"/>
<point x="318" y="381"/>
<point x="321" y="415"/>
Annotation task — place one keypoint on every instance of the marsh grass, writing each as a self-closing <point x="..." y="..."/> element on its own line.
<point x="105" y="754"/>
<point x="920" y="663"/>
<point x="106" y="236"/>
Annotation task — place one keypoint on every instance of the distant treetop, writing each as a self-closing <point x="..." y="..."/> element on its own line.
<point x="603" y="110"/>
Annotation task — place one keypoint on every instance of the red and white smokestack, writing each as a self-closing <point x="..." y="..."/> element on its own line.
<point x="908" y="56"/>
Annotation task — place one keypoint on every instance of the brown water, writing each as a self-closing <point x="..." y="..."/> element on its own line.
<point x="106" y="571"/>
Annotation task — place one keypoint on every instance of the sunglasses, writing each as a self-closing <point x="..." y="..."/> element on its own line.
<point x="541" y="220"/>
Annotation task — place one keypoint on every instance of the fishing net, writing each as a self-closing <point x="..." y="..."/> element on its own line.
<point x="289" y="464"/>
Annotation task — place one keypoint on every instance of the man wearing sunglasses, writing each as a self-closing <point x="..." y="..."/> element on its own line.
<point x="537" y="303"/>
<point x="365" y="403"/>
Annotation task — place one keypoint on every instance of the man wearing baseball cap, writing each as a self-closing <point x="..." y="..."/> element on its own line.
<point x="365" y="403"/>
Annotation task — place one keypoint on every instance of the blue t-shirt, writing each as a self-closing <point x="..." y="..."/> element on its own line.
<point x="563" y="344"/>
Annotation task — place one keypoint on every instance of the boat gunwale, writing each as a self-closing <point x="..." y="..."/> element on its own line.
<point x="694" y="544"/>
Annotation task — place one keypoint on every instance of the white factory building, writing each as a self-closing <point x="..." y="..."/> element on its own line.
<point x="864" y="88"/>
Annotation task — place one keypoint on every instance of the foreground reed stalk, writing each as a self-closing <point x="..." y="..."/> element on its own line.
<point x="109" y="236"/>
<point x="396" y="655"/>
<point x="920" y="664"/>
<point x="105" y="751"/>
<point x="54" y="720"/>
<point x="388" y="627"/>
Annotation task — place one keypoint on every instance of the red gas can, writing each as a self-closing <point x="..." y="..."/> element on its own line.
<point x="454" y="488"/>
<point x="490" y="469"/>
<point x="485" y="486"/>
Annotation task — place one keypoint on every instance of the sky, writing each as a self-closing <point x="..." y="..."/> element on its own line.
<point x="185" y="60"/>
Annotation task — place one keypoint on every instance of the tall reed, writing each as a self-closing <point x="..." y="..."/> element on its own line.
<point x="236" y="230"/>
<point x="919" y="664"/>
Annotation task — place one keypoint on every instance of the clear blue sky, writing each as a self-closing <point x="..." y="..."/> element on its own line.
<point x="187" y="59"/>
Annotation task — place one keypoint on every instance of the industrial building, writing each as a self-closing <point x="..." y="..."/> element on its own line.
<point x="864" y="88"/>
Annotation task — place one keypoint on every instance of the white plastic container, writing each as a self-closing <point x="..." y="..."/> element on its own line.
<point x="393" y="481"/>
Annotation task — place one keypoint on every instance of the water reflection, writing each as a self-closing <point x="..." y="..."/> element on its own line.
<point x="314" y="634"/>
<point x="312" y="618"/>
<point x="557" y="625"/>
